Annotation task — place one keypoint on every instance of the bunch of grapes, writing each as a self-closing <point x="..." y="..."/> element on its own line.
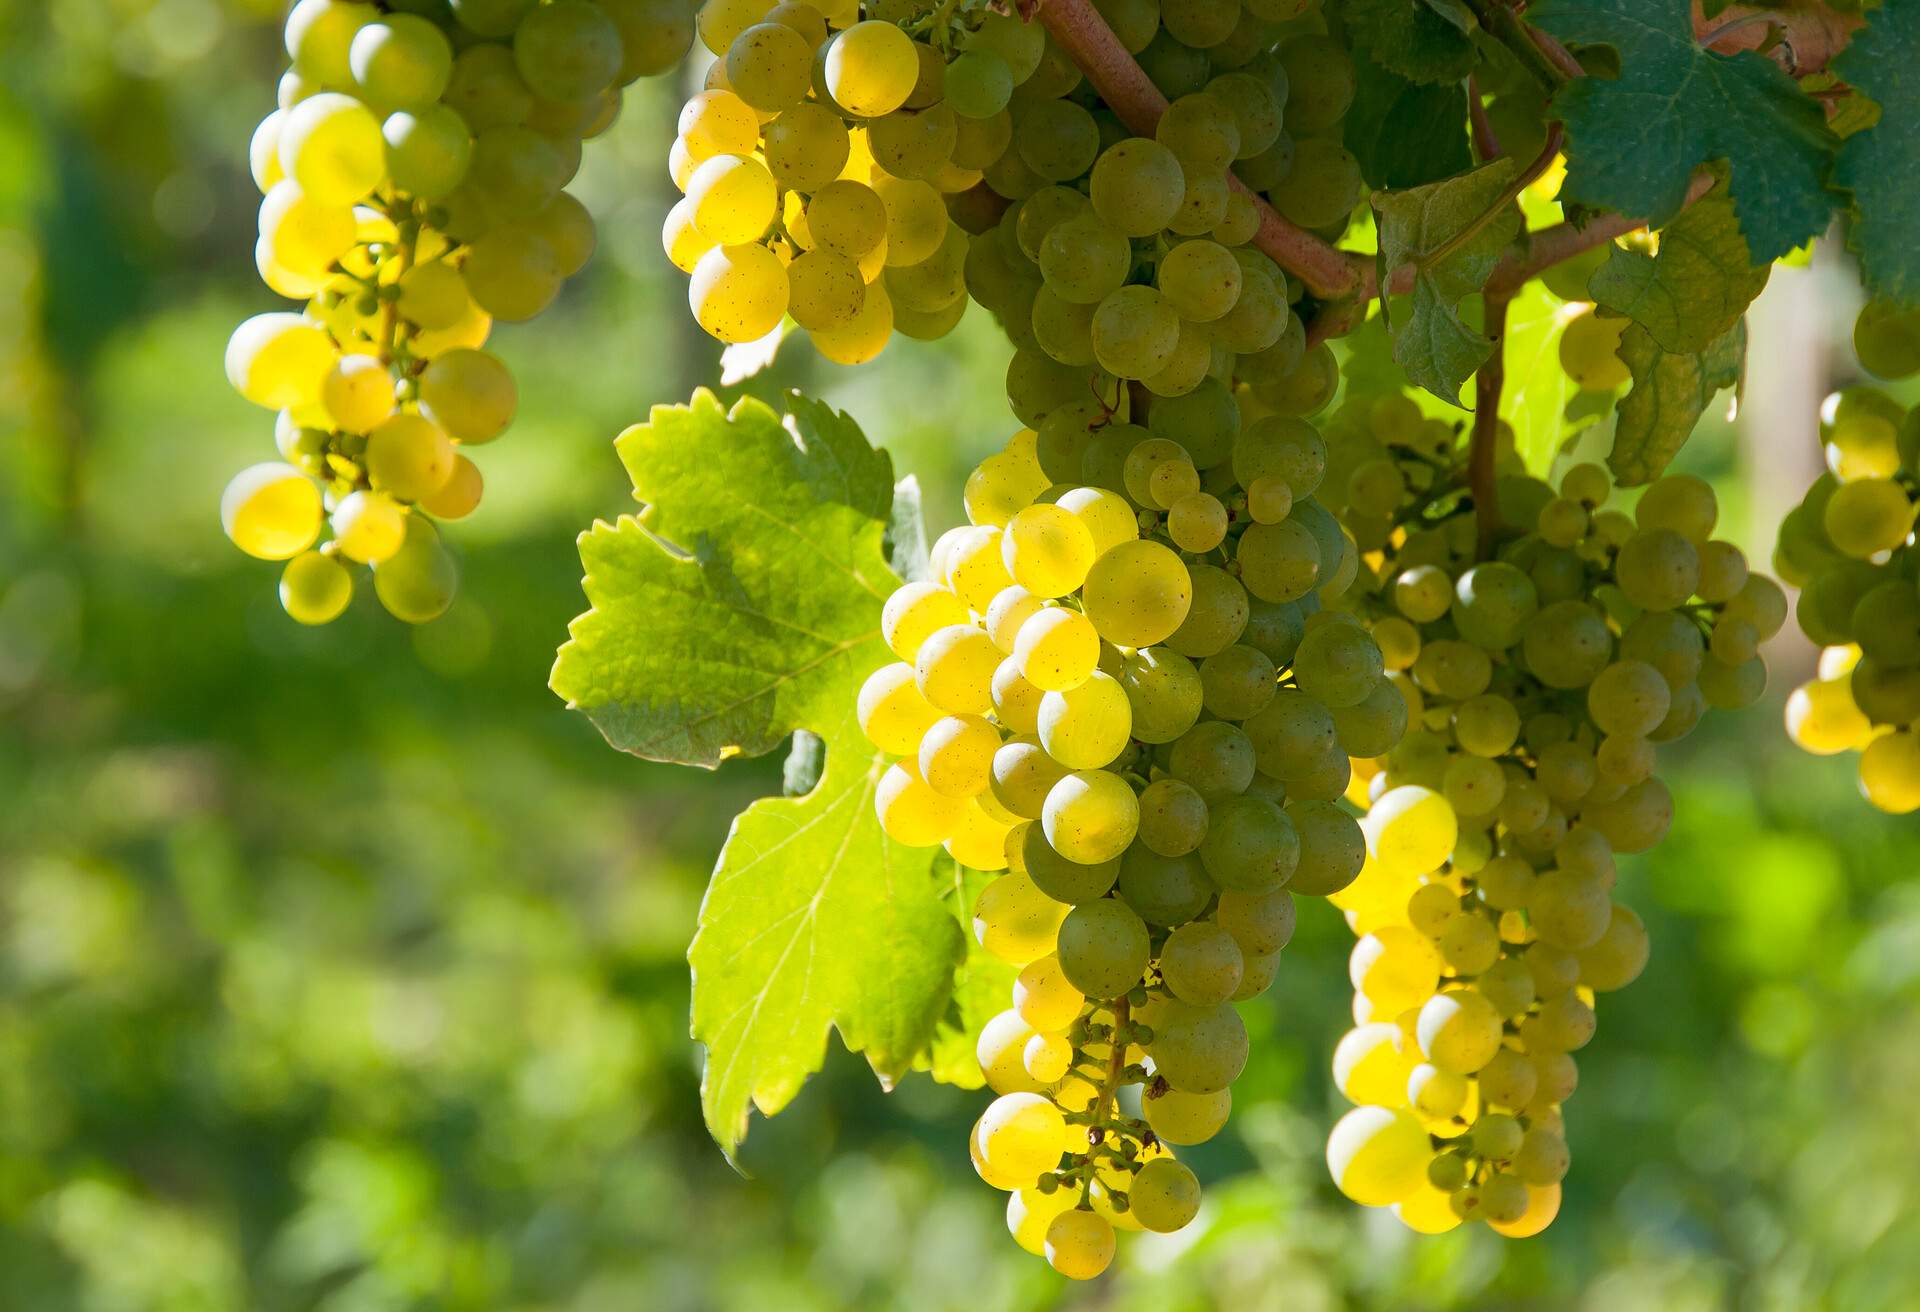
<point x="1122" y="689"/>
<point x="1849" y="547"/>
<point x="1538" y="682"/>
<point x="413" y="179"/>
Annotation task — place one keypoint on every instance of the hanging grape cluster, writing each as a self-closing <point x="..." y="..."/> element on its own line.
<point x="1849" y="547"/>
<point x="413" y="179"/>
<point x="1540" y="677"/>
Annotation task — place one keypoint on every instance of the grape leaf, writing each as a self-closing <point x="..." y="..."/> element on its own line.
<point x="1421" y="40"/>
<point x="743" y="602"/>
<point x="1697" y="287"/>
<point x="742" y="605"/>
<point x="1437" y="350"/>
<point x="1633" y="141"/>
<point x="1534" y="400"/>
<point x="982" y="988"/>
<point x="815" y="918"/>
<point x="1670" y="392"/>
<point x="1404" y="133"/>
<point x="1880" y="164"/>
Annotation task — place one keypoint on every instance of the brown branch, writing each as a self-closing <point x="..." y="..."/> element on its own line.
<point x="1481" y="476"/>
<point x="1563" y="241"/>
<point x="1812" y="33"/>
<point x="1486" y="145"/>
<point x="1079" y="30"/>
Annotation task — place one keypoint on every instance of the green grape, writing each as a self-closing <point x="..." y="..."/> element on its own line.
<point x="910" y="143"/>
<point x="1202" y="131"/>
<point x="1086" y="727"/>
<point x="1372" y="726"/>
<point x="1251" y="845"/>
<point x="428" y="152"/>
<point x="1012" y="919"/>
<point x="1061" y="879"/>
<point x="1187" y="1118"/>
<point x="1291" y="733"/>
<point x="1165" y="692"/>
<point x="1135" y="332"/>
<point x="1332" y="847"/>
<point x="805" y="147"/>
<point x="1567" y="644"/>
<point x="486" y="89"/>
<point x="514" y="273"/>
<point x="1868" y="516"/>
<point x="654" y="35"/>
<point x="1628" y="698"/>
<point x="315" y="588"/>
<point x="1320" y="82"/>
<point x="401" y="61"/>
<point x="1173" y="817"/>
<point x="1103" y="948"/>
<point x="1057" y="139"/>
<point x="1165" y="1195"/>
<point x="1255" y="109"/>
<point x="1199" y="1049"/>
<point x="1322" y="187"/>
<point x="1090" y="816"/>
<point x="1137" y="186"/>
<point x="1309" y="387"/>
<point x="1063" y="330"/>
<point x="1886" y="337"/>
<point x="567" y="50"/>
<point x="770" y="66"/>
<point x="1163" y="890"/>
<point x="1589" y="352"/>
<point x="1200" y="279"/>
<point x="1238" y="682"/>
<point x="1338" y="664"/>
<point x="1084" y="260"/>
<point x="1658" y="569"/>
<point x="1214" y="757"/>
<point x="1278" y="562"/>
<point x="469" y="394"/>
<point x="416" y="583"/>
<point x="1569" y="910"/>
<point x="1260" y="922"/>
<point x="1285" y="448"/>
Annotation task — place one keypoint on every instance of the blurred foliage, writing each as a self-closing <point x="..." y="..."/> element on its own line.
<point x="344" y="970"/>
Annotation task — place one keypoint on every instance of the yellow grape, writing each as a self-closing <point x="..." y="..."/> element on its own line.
<point x="1056" y="649"/>
<point x="734" y="199"/>
<point x="315" y="588"/>
<point x="1044" y="998"/>
<point x="1047" y="550"/>
<point x="892" y="713"/>
<point x="1090" y="816"/>
<point x="1411" y="831"/>
<point x="1823" y="719"/>
<point x="1008" y="613"/>
<point x="871" y="69"/>
<point x="1080" y="1244"/>
<point x="1369" y="1068"/>
<point x="738" y="293"/>
<point x="974" y="568"/>
<point x="357" y="393"/>
<point x="271" y="511"/>
<point x="331" y="145"/>
<point x="682" y="240"/>
<point x="718" y="123"/>
<point x="279" y="360"/>
<point x="1396" y="967"/>
<point x="910" y="812"/>
<point x="1459" y="1031"/>
<point x="913" y="612"/>
<point x="303" y="235"/>
<point x="408" y="457"/>
<point x="1030" y="1213"/>
<point x="1106" y="515"/>
<point x="1378" y="1155"/>
<point x="954" y="668"/>
<point x="470" y="394"/>
<point x="863" y="338"/>
<point x="1014" y="921"/>
<point x="459" y="495"/>
<point x="770" y="66"/>
<point x="1137" y="594"/>
<point x="1890" y="772"/>
<point x="1086" y="727"/>
<point x="956" y="755"/>
<point x="978" y="841"/>
<point x="828" y="293"/>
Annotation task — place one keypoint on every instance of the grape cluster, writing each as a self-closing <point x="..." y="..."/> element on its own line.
<point x="413" y="179"/>
<point x="815" y="168"/>
<point x="1538" y="683"/>
<point x="1849" y="547"/>
<point x="1123" y="690"/>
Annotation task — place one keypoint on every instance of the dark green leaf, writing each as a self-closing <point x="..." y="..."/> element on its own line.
<point x="1881" y="165"/>
<point x="1405" y="133"/>
<point x="1634" y="141"/>
<point x="1421" y="40"/>
<point x="1670" y="392"/>
<point x="1697" y="287"/>
<point x="1437" y="350"/>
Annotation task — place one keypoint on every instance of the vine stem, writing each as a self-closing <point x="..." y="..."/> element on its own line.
<point x="1080" y="31"/>
<point x="1487" y="383"/>
<point x="1486" y="143"/>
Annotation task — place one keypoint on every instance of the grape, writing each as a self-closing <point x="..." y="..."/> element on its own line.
<point x="1012" y="919"/>
<point x="1056" y="649"/>
<point x="1278" y="562"/>
<point x="738" y="293"/>
<point x="1165" y="692"/>
<point x="319" y="38"/>
<point x="1201" y="963"/>
<point x="303" y="236"/>
<point x="654" y="35"/>
<point x="1589" y="348"/>
<point x="1079" y="1244"/>
<point x="401" y="61"/>
<point x="955" y="667"/>
<point x="1886" y="337"/>
<point x="1890" y="772"/>
<point x="1322" y="187"/>
<point x="1251" y="845"/>
<point x="486" y="88"/>
<point x="770" y="66"/>
<point x="1567" y="644"/>
<point x="1061" y="879"/>
<point x="460" y="495"/>
<point x="513" y="273"/>
<point x="1200" y="279"/>
<point x="1083" y="259"/>
<point x="1137" y="186"/>
<point x="863" y="338"/>
<point x="1090" y="816"/>
<point x="1103" y="948"/>
<point x="1199" y="1049"/>
<point x="331" y="145"/>
<point x="1137" y="593"/>
<point x="428" y="152"/>
<point x="271" y="511"/>
<point x="1215" y="758"/>
<point x="368" y="527"/>
<point x="567" y="50"/>
<point x="409" y="457"/>
<point x="279" y="360"/>
<point x="315" y="588"/>
<point x="417" y="582"/>
<point x="1057" y="139"/>
<point x="1165" y="1195"/>
<point x="956" y="755"/>
<point x="470" y="394"/>
<point x="1867" y="516"/>
<point x="1087" y="726"/>
<point x="1378" y="1155"/>
<point x="871" y="68"/>
<point x="825" y="291"/>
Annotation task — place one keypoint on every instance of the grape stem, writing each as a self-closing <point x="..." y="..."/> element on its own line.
<point x="1481" y="478"/>
<point x="1813" y="34"/>
<point x="1079" y="30"/>
<point x="1486" y="144"/>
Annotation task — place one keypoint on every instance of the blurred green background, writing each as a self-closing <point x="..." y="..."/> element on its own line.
<point x="343" y="969"/>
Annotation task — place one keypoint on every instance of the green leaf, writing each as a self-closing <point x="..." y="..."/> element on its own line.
<point x="1438" y="351"/>
<point x="1421" y="40"/>
<point x="1881" y="164"/>
<point x="1696" y="288"/>
<point x="1670" y="392"/>
<point x="1634" y="141"/>
<point x="815" y="918"/>
<point x="1534" y="399"/>
<point x="1405" y="133"/>
<point x="982" y="988"/>
<point x="744" y="601"/>
<point x="741" y="606"/>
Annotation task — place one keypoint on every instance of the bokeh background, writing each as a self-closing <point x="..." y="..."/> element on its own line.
<point x="344" y="970"/>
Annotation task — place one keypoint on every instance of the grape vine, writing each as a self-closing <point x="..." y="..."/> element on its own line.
<point x="1244" y="610"/>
